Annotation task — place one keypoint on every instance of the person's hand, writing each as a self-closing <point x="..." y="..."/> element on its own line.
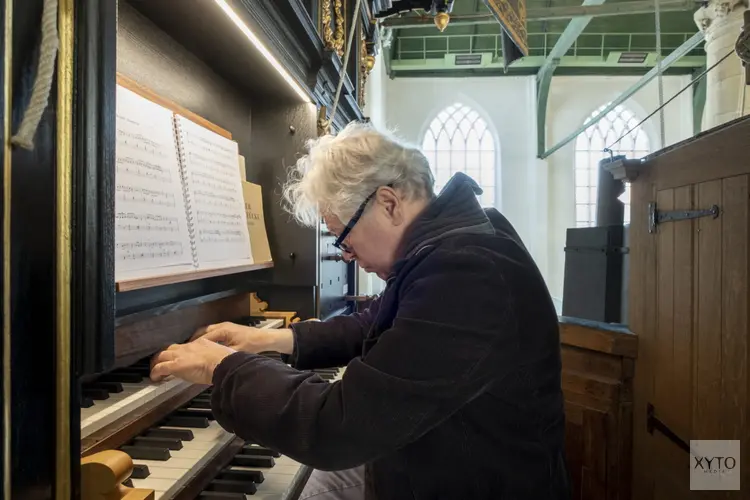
<point x="194" y="361"/>
<point x="248" y="338"/>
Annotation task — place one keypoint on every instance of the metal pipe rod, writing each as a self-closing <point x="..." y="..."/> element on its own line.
<point x="680" y="51"/>
<point x="548" y="13"/>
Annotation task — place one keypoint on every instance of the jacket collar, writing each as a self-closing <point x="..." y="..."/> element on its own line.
<point x="455" y="211"/>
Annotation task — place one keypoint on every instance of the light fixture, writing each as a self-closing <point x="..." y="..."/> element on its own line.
<point x="231" y="14"/>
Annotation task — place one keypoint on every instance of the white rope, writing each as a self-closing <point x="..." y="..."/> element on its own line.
<point x="44" y="76"/>
<point x="348" y="50"/>
<point x="659" y="73"/>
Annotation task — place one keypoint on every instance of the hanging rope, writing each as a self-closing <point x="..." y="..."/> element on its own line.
<point x="657" y="15"/>
<point x="348" y="50"/>
<point x="660" y="108"/>
<point x="44" y="76"/>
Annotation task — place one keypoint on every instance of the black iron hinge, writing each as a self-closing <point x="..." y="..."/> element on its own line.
<point x="653" y="423"/>
<point x="656" y="217"/>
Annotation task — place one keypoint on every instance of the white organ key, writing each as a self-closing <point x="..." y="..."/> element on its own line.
<point x="120" y="404"/>
<point x="174" y="473"/>
<point x="270" y="323"/>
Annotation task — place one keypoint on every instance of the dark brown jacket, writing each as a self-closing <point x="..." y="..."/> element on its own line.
<point x="452" y="386"/>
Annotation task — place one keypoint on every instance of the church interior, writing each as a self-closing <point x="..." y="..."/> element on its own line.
<point x="609" y="133"/>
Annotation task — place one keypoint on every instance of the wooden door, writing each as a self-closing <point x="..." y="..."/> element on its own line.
<point x="689" y="306"/>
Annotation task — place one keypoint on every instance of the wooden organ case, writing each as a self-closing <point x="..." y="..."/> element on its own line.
<point x="81" y="419"/>
<point x="689" y="308"/>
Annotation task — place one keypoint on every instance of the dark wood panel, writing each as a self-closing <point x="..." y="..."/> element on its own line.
<point x="642" y="321"/>
<point x="134" y="341"/>
<point x="597" y="388"/>
<point x="596" y="336"/>
<point x="680" y="414"/>
<point x="714" y="154"/>
<point x="151" y="58"/>
<point x="706" y="425"/>
<point x="33" y="271"/>
<point x="664" y="339"/>
<point x="595" y="363"/>
<point x="734" y="306"/>
<point x="692" y="276"/>
<point x="275" y="147"/>
<point x="94" y="187"/>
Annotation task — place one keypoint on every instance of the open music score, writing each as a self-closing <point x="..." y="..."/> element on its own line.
<point x="214" y="190"/>
<point x="151" y="229"/>
<point x="178" y="198"/>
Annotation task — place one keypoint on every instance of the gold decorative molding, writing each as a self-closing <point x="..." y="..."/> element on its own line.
<point x="64" y="181"/>
<point x="340" y="26"/>
<point x="363" y="71"/>
<point x="7" y="112"/>
<point x="325" y="24"/>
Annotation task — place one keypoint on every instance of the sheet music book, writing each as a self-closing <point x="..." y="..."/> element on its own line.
<point x="256" y="223"/>
<point x="179" y="203"/>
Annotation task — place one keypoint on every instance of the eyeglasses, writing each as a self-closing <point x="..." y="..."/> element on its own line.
<point x="339" y="243"/>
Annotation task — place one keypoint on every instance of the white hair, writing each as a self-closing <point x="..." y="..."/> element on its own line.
<point x="339" y="172"/>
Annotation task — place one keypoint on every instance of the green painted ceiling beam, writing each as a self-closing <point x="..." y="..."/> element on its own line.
<point x="534" y="62"/>
<point x="544" y="77"/>
<point x="548" y="13"/>
<point x="668" y="61"/>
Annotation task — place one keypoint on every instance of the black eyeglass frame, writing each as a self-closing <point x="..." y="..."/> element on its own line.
<point x="339" y="243"/>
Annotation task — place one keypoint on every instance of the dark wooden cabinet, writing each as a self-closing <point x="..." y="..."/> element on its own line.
<point x="597" y="380"/>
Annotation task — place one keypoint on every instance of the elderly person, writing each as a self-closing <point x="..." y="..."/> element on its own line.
<point x="452" y="382"/>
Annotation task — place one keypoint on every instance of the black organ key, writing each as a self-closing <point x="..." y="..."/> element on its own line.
<point x="86" y="402"/>
<point x="140" y="472"/>
<point x="95" y="394"/>
<point x="192" y="411"/>
<point x="112" y="387"/>
<point x="220" y="495"/>
<point x="233" y="486"/>
<point x="143" y="370"/>
<point x="193" y="422"/>
<point x="128" y="483"/>
<point x="124" y="378"/>
<point x="255" y="476"/>
<point x="147" y="453"/>
<point x="158" y="442"/>
<point x="253" y="461"/>
<point x="181" y="434"/>
<point x="259" y="450"/>
<point x="201" y="403"/>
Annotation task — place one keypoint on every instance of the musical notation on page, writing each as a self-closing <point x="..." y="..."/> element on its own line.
<point x="151" y="229"/>
<point x="215" y="192"/>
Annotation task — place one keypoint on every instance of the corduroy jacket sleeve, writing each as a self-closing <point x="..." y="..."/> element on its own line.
<point x="324" y="344"/>
<point x="421" y="371"/>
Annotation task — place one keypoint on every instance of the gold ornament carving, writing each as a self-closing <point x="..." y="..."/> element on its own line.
<point x="363" y="72"/>
<point x="325" y="21"/>
<point x="340" y="27"/>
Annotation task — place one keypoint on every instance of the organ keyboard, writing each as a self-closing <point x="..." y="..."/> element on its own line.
<point x="177" y="449"/>
<point x="119" y="393"/>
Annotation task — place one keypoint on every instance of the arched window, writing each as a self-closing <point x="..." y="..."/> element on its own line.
<point x="589" y="150"/>
<point x="458" y="140"/>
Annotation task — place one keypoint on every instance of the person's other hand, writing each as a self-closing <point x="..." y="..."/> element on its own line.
<point x="194" y="361"/>
<point x="247" y="338"/>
